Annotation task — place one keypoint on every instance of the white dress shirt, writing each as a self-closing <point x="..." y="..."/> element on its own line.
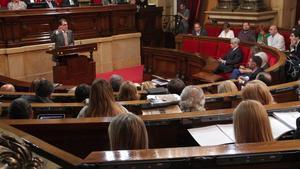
<point x="229" y="34"/>
<point x="277" y="41"/>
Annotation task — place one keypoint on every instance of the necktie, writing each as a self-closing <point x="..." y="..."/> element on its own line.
<point x="65" y="38"/>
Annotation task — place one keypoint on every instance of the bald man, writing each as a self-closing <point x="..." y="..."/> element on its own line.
<point x="276" y="40"/>
<point x="7" y="88"/>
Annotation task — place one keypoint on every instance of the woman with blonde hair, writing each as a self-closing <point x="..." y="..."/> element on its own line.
<point x="192" y="99"/>
<point x="257" y="90"/>
<point x="127" y="132"/>
<point x="251" y="123"/>
<point x="128" y="92"/>
<point x="148" y="85"/>
<point x="227" y="87"/>
<point x="101" y="102"/>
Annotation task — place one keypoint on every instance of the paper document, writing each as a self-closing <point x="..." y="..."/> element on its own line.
<point x="288" y="118"/>
<point x="210" y="136"/>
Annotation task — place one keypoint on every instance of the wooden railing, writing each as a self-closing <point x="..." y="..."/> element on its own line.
<point x="272" y="155"/>
<point x="43" y="149"/>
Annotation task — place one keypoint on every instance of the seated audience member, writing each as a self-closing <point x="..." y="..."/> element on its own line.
<point x="254" y="51"/>
<point x="251" y="123"/>
<point x="226" y="32"/>
<point x="262" y="37"/>
<point x="297" y="132"/>
<point x="115" y="82"/>
<point x="295" y="46"/>
<point x="34" y="83"/>
<point x="127" y="131"/>
<point x="7" y="88"/>
<point x="257" y="90"/>
<point x="20" y="109"/>
<point x="175" y="86"/>
<point x="246" y="34"/>
<point x="264" y="77"/>
<point x="227" y="87"/>
<point x="148" y="85"/>
<point x="51" y="4"/>
<point x="101" y="102"/>
<point x="128" y="92"/>
<point x="199" y="30"/>
<point x="255" y="68"/>
<point x="231" y="59"/>
<point x="192" y="99"/>
<point x="275" y="39"/>
<point x="69" y="3"/>
<point x="82" y="92"/>
<point x="257" y="51"/>
<point x="16" y="5"/>
<point x="43" y="91"/>
<point x="292" y="68"/>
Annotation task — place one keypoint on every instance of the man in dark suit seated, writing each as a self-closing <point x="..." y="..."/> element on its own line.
<point x="43" y="91"/>
<point x="231" y="59"/>
<point x="254" y="67"/>
<point x="198" y="30"/>
<point x="69" y="3"/>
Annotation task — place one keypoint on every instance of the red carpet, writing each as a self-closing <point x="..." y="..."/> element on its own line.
<point x="134" y="74"/>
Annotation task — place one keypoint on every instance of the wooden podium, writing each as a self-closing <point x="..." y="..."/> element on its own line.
<point x="72" y="68"/>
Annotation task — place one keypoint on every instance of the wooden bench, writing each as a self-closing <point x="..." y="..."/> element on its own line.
<point x="165" y="130"/>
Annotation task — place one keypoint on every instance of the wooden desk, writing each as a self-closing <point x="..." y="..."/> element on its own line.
<point x="239" y="156"/>
<point x="164" y="130"/>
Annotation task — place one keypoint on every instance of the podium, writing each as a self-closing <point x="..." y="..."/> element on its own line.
<point x="72" y="68"/>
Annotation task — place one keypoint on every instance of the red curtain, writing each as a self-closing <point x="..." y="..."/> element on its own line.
<point x="194" y="7"/>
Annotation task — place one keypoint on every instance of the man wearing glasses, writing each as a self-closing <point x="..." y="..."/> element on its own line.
<point x="62" y="36"/>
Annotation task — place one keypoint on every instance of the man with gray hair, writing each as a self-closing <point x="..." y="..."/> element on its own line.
<point x="233" y="58"/>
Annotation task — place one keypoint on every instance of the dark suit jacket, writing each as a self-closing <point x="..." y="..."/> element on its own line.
<point x="296" y="52"/>
<point x="232" y="58"/>
<point x="59" y="40"/>
<point x="202" y="32"/>
<point x="253" y="75"/>
<point x="66" y="3"/>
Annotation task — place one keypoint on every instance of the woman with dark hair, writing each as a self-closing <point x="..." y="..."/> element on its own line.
<point x="101" y="102"/>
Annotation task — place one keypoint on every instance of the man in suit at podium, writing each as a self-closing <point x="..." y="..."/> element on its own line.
<point x="62" y="36"/>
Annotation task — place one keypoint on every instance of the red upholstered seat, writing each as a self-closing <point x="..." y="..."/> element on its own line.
<point x="213" y="30"/>
<point x="190" y="45"/>
<point x="208" y="48"/>
<point x="272" y="60"/>
<point x="287" y="40"/>
<point x="246" y="55"/>
<point x="222" y="49"/>
<point x="236" y="31"/>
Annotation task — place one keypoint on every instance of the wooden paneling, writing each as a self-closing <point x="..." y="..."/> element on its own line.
<point x="30" y="27"/>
